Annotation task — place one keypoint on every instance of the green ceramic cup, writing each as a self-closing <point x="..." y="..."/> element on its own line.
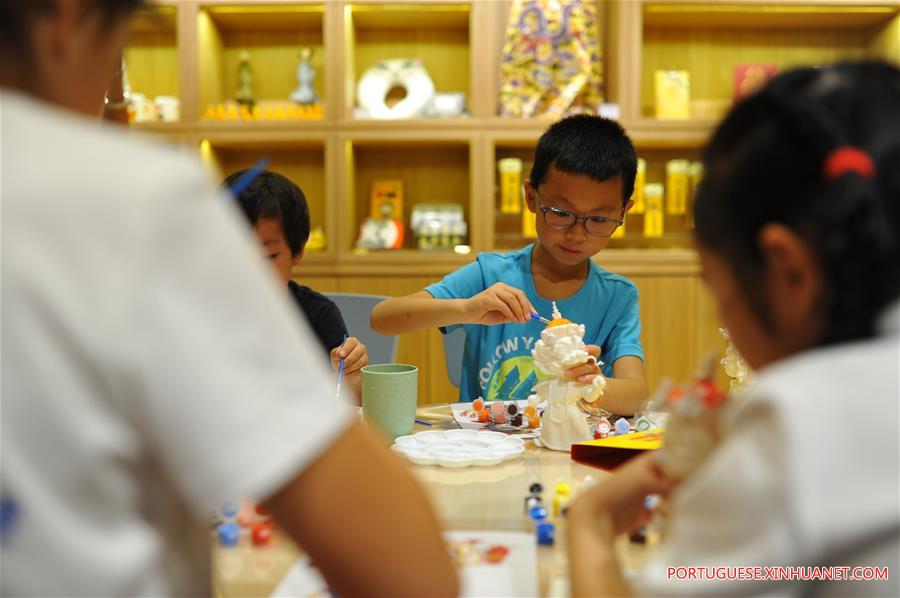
<point x="389" y="397"/>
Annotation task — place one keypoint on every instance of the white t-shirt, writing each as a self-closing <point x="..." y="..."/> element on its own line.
<point x="151" y="368"/>
<point x="808" y="474"/>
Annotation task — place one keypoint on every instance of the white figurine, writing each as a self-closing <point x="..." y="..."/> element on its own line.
<point x="561" y="347"/>
<point x="305" y="95"/>
<point x="736" y="367"/>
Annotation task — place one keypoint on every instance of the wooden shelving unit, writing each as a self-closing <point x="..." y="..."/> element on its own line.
<point x="190" y="48"/>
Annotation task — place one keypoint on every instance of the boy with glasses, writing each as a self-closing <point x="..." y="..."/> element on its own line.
<point x="579" y="190"/>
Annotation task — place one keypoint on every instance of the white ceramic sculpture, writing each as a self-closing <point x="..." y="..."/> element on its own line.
<point x="561" y="347"/>
<point x="411" y="75"/>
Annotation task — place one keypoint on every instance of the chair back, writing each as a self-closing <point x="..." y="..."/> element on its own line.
<point x="454" y="345"/>
<point x="356" y="309"/>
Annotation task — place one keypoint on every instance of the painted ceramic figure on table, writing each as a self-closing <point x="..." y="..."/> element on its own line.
<point x="561" y="347"/>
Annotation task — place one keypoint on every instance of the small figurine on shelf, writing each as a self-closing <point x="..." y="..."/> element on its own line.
<point x="317" y="240"/>
<point x="244" y="94"/>
<point x="381" y="233"/>
<point x="305" y="95"/>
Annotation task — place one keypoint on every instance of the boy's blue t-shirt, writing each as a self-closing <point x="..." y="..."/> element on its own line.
<point x="497" y="363"/>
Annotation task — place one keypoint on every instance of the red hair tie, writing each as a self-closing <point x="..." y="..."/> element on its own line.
<point x="848" y="159"/>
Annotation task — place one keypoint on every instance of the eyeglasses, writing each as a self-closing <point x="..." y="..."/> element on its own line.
<point x="597" y="226"/>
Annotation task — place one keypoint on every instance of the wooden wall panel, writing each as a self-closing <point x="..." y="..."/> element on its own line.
<point x="668" y="318"/>
<point x="708" y="336"/>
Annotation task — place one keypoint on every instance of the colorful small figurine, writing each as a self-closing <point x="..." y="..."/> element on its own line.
<point x="228" y="510"/>
<point x="561" y="498"/>
<point x="229" y="534"/>
<point x="537" y="514"/>
<point x="534" y="497"/>
<point x="261" y="533"/>
<point x="545" y="533"/>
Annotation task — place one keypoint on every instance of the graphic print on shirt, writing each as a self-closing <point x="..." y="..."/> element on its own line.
<point x="512" y="380"/>
<point x="509" y="376"/>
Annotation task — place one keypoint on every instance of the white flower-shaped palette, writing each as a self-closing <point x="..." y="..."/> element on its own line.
<point x="459" y="448"/>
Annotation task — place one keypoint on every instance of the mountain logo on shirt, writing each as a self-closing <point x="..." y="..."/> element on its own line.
<point x="512" y="380"/>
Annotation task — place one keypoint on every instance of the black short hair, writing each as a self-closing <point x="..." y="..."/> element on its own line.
<point x="764" y="164"/>
<point x="594" y="146"/>
<point x="16" y="17"/>
<point x="272" y="195"/>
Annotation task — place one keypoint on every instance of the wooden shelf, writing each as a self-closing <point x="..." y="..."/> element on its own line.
<point x="650" y="133"/>
<point x="410" y="15"/>
<point x="412" y="127"/>
<point x="192" y="48"/>
<point x="409" y="262"/>
<point x="152" y="22"/>
<point x="264" y="131"/>
<point x="240" y="18"/>
<point x="171" y="130"/>
<point x="768" y="14"/>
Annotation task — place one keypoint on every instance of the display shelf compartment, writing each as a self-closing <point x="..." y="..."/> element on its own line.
<point x="431" y="172"/>
<point x="684" y="36"/>
<point x="272" y="35"/>
<point x="301" y="161"/>
<point x="610" y="35"/>
<point x="152" y="56"/>
<point x="507" y="226"/>
<point x="436" y="33"/>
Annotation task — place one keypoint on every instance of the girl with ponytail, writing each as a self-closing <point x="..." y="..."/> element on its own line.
<point x="798" y="232"/>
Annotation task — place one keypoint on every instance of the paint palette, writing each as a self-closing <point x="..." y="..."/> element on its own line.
<point x="459" y="448"/>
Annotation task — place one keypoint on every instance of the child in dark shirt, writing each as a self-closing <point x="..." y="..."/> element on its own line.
<point x="279" y="214"/>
